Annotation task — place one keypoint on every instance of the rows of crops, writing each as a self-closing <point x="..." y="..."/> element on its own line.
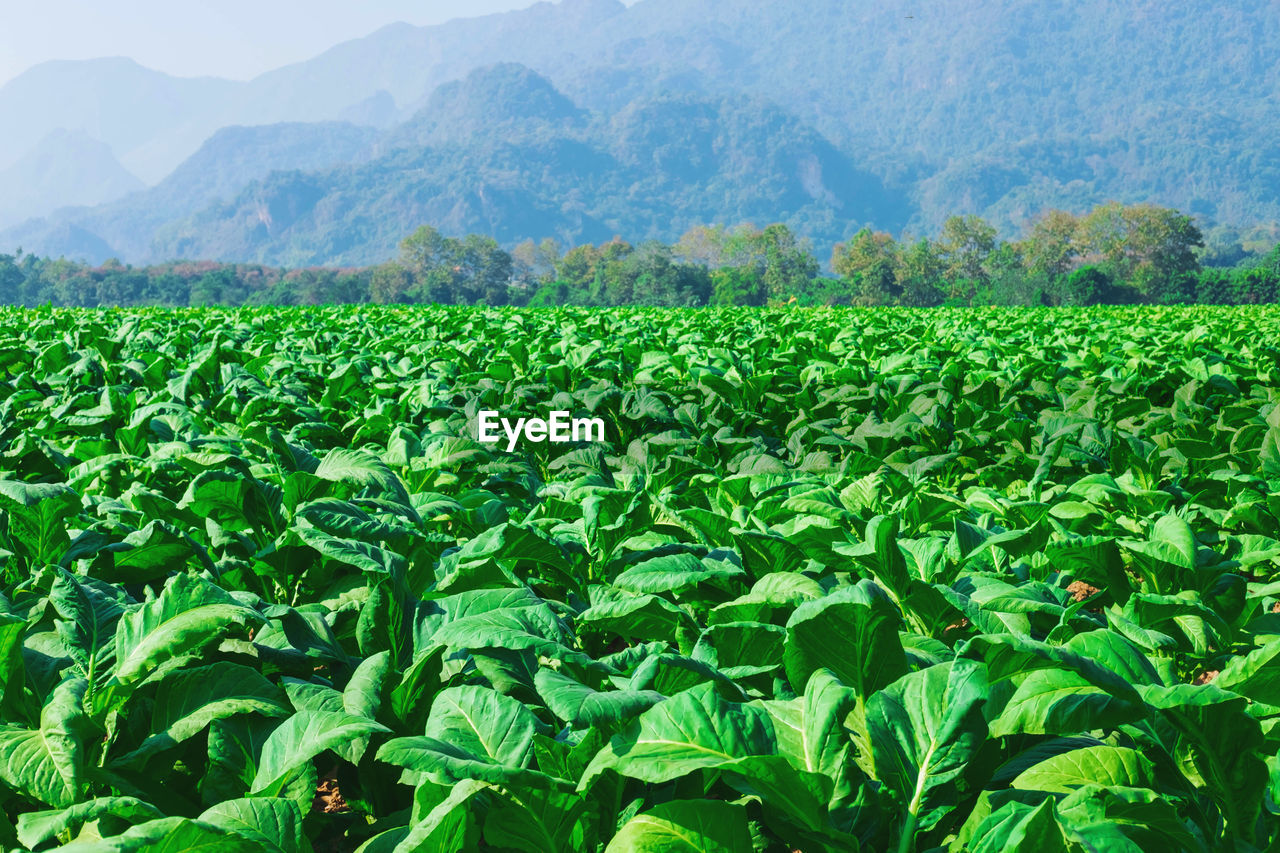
<point x="837" y="580"/>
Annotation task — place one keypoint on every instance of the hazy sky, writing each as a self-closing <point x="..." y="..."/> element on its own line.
<point x="226" y="38"/>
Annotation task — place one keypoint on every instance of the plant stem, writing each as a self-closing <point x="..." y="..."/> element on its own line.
<point x="907" y="842"/>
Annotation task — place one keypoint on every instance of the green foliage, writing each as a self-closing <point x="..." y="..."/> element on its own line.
<point x="737" y="286"/>
<point x="1114" y="255"/>
<point x="836" y="578"/>
<point x="448" y="271"/>
<point x="1087" y="286"/>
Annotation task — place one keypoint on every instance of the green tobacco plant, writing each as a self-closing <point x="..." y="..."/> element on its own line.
<point x="833" y="580"/>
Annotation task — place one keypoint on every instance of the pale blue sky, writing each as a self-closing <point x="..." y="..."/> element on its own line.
<point x="225" y="38"/>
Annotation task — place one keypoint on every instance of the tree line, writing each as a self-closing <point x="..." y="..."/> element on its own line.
<point x="1114" y="254"/>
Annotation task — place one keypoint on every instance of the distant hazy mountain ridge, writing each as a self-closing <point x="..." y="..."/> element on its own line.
<point x="503" y="153"/>
<point x="65" y="168"/>
<point x="592" y="118"/>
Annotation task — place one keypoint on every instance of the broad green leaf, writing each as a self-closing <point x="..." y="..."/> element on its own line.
<point x="670" y="674"/>
<point x="924" y="728"/>
<point x="363" y="694"/>
<point x="537" y="820"/>
<point x="410" y="700"/>
<point x="742" y="647"/>
<point x="1217" y="737"/>
<point x="188" y="700"/>
<point x="12" y="673"/>
<point x="512" y="628"/>
<point x="152" y="552"/>
<point x="363" y="556"/>
<point x="168" y="835"/>
<point x="1010" y="658"/>
<point x="685" y="826"/>
<point x="812" y="734"/>
<point x="1061" y="702"/>
<point x="37" y="515"/>
<point x="445" y="827"/>
<point x="363" y="470"/>
<point x="512" y="543"/>
<point x="1255" y="675"/>
<point x="1018" y="826"/>
<point x="776" y="592"/>
<point x="1093" y="765"/>
<point x="890" y="567"/>
<point x="447" y="764"/>
<point x="301" y="738"/>
<point x="89" y="612"/>
<point x="579" y="705"/>
<point x="1115" y="653"/>
<point x="1138" y="819"/>
<point x="309" y="696"/>
<point x="346" y="520"/>
<point x="485" y="724"/>
<point x="671" y="573"/>
<point x="798" y="797"/>
<point x="234" y="747"/>
<point x="275" y="825"/>
<point x="48" y="763"/>
<point x="695" y="730"/>
<point x="187" y="616"/>
<point x="35" y="828"/>
<point x="1167" y="555"/>
<point x="230" y="499"/>
<point x="646" y="617"/>
<point x="853" y="632"/>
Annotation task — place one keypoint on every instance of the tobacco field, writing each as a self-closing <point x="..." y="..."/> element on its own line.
<point x="837" y="580"/>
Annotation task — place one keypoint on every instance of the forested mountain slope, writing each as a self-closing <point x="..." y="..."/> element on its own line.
<point x="67" y="167"/>
<point x="996" y="107"/>
<point x="504" y="154"/>
<point x="231" y="159"/>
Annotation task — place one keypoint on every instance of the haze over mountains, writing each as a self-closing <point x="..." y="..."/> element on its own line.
<point x="67" y="167"/>
<point x="587" y="118"/>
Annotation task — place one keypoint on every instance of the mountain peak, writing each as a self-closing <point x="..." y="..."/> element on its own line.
<point x="509" y="89"/>
<point x="55" y="67"/>
<point x="67" y="167"/>
<point x="494" y="94"/>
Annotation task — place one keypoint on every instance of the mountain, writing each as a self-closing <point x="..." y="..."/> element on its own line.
<point x="378" y="110"/>
<point x="155" y="120"/>
<point x="115" y="101"/>
<point x="1002" y="108"/>
<point x="952" y="103"/>
<point x="230" y="159"/>
<point x="504" y="153"/>
<point x="507" y="98"/>
<point x="999" y="107"/>
<point x="410" y="62"/>
<point x="501" y="152"/>
<point x="65" y="168"/>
